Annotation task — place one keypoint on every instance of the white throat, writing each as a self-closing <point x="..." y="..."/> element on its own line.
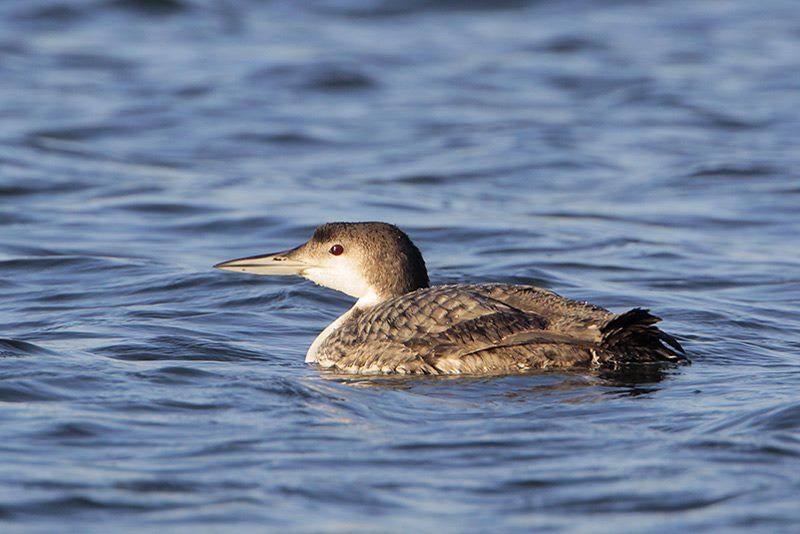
<point x="342" y="274"/>
<point x="367" y="301"/>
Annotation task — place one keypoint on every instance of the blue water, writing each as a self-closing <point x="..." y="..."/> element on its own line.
<point x="628" y="153"/>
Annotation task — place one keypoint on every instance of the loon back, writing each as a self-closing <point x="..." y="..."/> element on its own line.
<point x="491" y="329"/>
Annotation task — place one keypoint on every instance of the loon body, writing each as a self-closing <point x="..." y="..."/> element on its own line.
<point x="400" y="324"/>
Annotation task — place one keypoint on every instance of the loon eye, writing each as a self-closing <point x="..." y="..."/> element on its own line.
<point x="336" y="249"/>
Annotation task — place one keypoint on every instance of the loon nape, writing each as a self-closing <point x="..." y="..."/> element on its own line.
<point x="400" y="324"/>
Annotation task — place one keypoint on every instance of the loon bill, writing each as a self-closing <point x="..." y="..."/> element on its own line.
<point x="400" y="324"/>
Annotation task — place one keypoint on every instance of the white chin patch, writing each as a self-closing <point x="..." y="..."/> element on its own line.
<point x="341" y="276"/>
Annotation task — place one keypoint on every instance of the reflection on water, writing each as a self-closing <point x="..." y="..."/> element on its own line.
<point x="628" y="154"/>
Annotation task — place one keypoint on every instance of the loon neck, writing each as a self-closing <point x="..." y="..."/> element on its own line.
<point x="370" y="299"/>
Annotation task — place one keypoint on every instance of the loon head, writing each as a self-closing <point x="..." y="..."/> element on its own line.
<point x="371" y="261"/>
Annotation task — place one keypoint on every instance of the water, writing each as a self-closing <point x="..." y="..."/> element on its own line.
<point x="627" y="153"/>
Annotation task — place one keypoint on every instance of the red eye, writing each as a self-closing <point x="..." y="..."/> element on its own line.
<point x="336" y="250"/>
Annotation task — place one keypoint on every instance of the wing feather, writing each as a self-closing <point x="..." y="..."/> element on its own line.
<point x="463" y="328"/>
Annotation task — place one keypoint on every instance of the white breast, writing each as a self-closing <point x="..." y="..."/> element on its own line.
<point x="368" y="300"/>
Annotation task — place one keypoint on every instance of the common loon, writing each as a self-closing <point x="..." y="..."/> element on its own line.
<point x="400" y="324"/>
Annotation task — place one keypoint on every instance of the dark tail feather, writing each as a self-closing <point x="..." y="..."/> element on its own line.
<point x="631" y="338"/>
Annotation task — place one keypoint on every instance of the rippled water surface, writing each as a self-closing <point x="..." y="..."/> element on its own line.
<point x="628" y="153"/>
